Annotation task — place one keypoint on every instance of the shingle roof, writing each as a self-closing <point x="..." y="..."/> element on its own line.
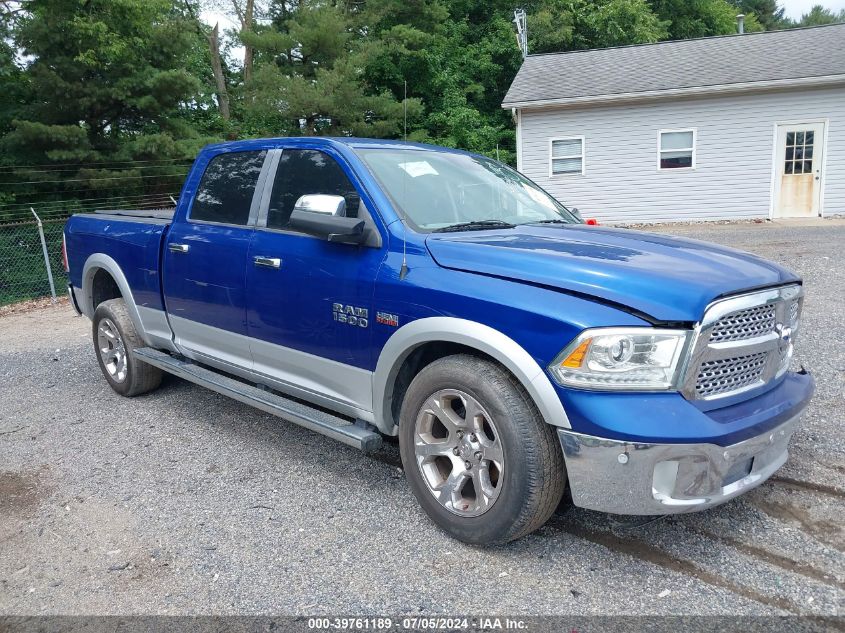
<point x="682" y="64"/>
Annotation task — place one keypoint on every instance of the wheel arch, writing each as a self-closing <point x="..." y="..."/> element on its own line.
<point x="95" y="267"/>
<point x="456" y="335"/>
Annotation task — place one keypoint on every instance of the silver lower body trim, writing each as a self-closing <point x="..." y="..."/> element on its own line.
<point x="650" y="479"/>
<point x="337" y="386"/>
<point x="156" y="328"/>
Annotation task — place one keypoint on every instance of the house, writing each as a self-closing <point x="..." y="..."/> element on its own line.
<point x="734" y="127"/>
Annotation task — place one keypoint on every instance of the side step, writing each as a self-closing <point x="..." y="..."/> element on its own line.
<point x="297" y="412"/>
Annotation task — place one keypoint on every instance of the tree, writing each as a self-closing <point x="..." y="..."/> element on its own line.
<point x="245" y="10"/>
<point x="108" y="83"/>
<point x="14" y="83"/>
<point x="696" y="18"/>
<point x="767" y="13"/>
<point x="216" y="59"/>
<point x="310" y="76"/>
<point x="562" y="25"/>
<point x="819" y="16"/>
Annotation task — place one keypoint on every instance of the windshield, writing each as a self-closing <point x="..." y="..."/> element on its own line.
<point x="436" y="191"/>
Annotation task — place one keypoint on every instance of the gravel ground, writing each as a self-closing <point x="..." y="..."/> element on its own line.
<point x="185" y="502"/>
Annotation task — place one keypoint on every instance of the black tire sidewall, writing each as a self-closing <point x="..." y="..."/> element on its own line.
<point x="104" y="310"/>
<point x="511" y="415"/>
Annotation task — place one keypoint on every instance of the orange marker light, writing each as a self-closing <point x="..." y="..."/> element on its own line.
<point x="576" y="358"/>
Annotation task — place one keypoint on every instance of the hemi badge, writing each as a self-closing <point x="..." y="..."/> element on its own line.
<point x="385" y="318"/>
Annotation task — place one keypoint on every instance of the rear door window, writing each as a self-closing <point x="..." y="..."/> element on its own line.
<point x="225" y="191"/>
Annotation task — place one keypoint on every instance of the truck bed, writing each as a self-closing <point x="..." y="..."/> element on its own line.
<point x="158" y="214"/>
<point x="133" y="239"/>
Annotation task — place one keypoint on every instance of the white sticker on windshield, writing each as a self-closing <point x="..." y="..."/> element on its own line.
<point x="419" y="168"/>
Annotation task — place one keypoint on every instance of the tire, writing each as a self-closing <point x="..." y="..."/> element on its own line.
<point x="115" y="340"/>
<point x="508" y="451"/>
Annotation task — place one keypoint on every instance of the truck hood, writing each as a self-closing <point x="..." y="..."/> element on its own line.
<point x="666" y="278"/>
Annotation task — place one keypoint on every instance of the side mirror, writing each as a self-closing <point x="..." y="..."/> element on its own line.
<point x="323" y="204"/>
<point x="335" y="228"/>
<point x="576" y="213"/>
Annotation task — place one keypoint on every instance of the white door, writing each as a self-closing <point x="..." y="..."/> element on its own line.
<point x="798" y="170"/>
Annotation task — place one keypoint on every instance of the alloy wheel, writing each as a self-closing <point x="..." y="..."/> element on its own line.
<point x="459" y="452"/>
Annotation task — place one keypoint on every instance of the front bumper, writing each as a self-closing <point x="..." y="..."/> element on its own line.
<point x="624" y="477"/>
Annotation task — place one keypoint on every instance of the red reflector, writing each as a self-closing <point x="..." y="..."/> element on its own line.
<point x="592" y="222"/>
<point x="64" y="255"/>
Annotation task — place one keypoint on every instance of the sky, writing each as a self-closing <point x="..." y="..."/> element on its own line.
<point x="796" y="8"/>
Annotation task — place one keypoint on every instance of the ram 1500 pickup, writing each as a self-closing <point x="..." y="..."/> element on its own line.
<point x="366" y="289"/>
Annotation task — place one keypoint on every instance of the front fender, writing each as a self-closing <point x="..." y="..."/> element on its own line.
<point x="478" y="336"/>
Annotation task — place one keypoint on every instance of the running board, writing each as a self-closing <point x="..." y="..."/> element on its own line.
<point x="299" y="413"/>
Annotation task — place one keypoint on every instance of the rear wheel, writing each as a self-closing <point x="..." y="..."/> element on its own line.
<point x="480" y="459"/>
<point x="115" y="340"/>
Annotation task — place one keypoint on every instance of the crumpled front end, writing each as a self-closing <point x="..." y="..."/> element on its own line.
<point x="724" y="430"/>
<point x="640" y="478"/>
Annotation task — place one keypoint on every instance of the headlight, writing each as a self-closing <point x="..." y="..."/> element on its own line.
<point x="621" y="358"/>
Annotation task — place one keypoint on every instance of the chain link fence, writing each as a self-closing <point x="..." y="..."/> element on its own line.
<point x="23" y="271"/>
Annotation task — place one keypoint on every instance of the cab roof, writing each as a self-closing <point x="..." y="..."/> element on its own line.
<point x="350" y="142"/>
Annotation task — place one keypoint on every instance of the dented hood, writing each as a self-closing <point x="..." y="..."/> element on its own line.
<point x="666" y="278"/>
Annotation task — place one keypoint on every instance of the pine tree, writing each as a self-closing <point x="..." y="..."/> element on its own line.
<point x="109" y="83"/>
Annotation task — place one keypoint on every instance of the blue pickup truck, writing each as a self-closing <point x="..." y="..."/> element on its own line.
<point x="370" y="289"/>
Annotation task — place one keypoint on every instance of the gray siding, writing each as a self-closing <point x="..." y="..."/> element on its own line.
<point x="734" y="155"/>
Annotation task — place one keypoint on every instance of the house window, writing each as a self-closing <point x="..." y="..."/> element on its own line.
<point x="566" y="156"/>
<point x="676" y="149"/>
<point x="799" y="152"/>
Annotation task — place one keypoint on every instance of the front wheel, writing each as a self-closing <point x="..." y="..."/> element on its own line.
<point x="115" y="340"/>
<point x="480" y="459"/>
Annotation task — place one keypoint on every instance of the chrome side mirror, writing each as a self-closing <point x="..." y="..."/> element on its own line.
<point x="323" y="204"/>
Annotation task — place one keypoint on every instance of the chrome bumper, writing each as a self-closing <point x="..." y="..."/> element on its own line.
<point x="628" y="478"/>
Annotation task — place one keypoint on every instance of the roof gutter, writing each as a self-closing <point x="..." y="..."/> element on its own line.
<point x="716" y="90"/>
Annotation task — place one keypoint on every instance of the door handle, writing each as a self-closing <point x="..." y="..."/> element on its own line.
<point x="178" y="248"/>
<point x="267" y="262"/>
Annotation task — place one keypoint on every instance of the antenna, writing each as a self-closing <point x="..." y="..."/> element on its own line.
<point x="521" y="31"/>
<point x="404" y="270"/>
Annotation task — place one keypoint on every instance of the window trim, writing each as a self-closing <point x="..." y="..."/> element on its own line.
<point x="374" y="241"/>
<point x="693" y="149"/>
<point x="552" y="157"/>
<point x="257" y="192"/>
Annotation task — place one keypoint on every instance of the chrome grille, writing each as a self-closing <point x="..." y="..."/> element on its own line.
<point x="744" y="324"/>
<point x="743" y="342"/>
<point x="729" y="374"/>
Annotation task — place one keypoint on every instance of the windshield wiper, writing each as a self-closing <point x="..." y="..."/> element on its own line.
<point x="477" y="225"/>
<point x="554" y="221"/>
